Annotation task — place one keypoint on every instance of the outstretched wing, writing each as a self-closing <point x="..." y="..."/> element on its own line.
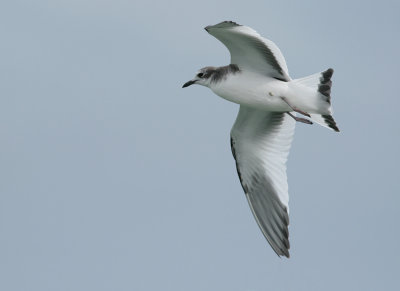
<point x="260" y="145"/>
<point x="249" y="50"/>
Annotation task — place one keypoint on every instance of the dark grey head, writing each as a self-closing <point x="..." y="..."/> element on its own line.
<point x="211" y="75"/>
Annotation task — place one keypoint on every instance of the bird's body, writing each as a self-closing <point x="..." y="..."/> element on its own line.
<point x="258" y="80"/>
<point x="253" y="90"/>
<point x="263" y="92"/>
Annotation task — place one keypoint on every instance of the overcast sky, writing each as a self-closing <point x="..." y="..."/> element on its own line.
<point x="115" y="178"/>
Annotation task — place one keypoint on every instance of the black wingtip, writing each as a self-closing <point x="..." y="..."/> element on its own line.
<point x="222" y="24"/>
<point x="231" y="22"/>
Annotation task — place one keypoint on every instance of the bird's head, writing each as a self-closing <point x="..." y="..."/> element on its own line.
<point x="203" y="77"/>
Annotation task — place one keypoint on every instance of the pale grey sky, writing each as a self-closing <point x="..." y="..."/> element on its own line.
<point x="115" y="178"/>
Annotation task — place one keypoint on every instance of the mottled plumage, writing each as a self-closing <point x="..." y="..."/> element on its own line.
<point x="258" y="80"/>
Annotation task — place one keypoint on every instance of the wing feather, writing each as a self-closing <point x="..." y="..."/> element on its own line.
<point x="260" y="145"/>
<point x="250" y="51"/>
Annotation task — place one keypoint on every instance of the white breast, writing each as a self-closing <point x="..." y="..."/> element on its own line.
<point x="253" y="90"/>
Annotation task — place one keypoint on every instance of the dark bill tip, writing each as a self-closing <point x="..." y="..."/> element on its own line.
<point x="187" y="84"/>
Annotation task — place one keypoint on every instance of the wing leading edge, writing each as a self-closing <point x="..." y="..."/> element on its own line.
<point x="249" y="50"/>
<point x="260" y="145"/>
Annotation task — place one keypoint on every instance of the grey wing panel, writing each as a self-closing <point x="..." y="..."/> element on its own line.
<point x="260" y="144"/>
<point x="271" y="216"/>
<point x="251" y="51"/>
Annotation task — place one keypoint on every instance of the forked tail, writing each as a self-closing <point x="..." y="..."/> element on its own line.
<point x="321" y="82"/>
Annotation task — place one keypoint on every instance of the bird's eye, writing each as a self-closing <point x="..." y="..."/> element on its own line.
<point x="200" y="75"/>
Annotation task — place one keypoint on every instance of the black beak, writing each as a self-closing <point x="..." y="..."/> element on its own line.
<point x="187" y="84"/>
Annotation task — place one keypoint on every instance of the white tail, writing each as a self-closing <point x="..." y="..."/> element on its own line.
<point x="321" y="82"/>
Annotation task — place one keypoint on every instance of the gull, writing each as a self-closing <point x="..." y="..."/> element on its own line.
<point x="258" y="80"/>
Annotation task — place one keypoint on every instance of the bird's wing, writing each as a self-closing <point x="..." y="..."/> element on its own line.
<point x="260" y="145"/>
<point x="249" y="50"/>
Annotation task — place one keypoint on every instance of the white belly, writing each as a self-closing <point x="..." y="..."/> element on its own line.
<point x="253" y="90"/>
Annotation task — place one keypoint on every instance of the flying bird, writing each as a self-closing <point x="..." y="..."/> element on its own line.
<point x="258" y="80"/>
